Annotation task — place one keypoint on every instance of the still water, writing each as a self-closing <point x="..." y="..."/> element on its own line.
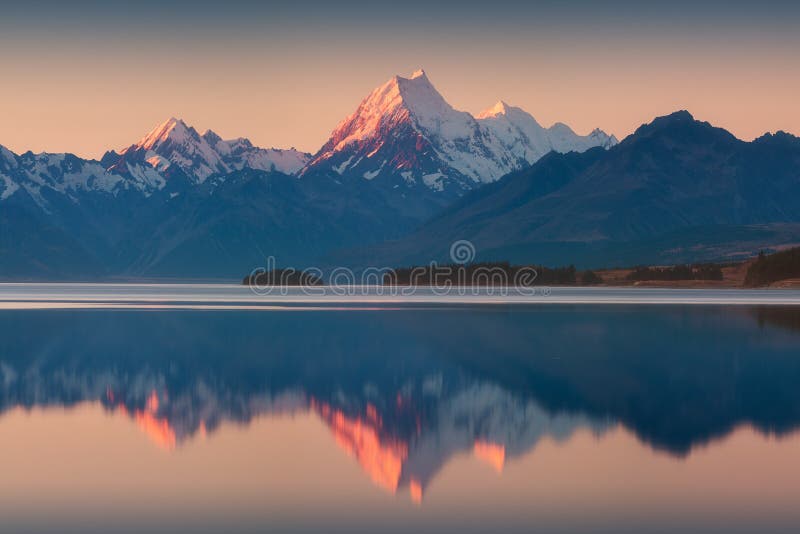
<point x="448" y="418"/>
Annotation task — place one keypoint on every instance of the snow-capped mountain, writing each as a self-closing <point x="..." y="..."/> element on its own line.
<point x="199" y="157"/>
<point x="62" y="173"/>
<point x="145" y="166"/>
<point x="239" y="153"/>
<point x="405" y="129"/>
<point x="524" y="137"/>
<point x="173" y="143"/>
<point x="8" y="163"/>
<point x="64" y="216"/>
<point x="404" y="132"/>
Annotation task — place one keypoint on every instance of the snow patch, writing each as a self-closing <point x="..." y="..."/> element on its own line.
<point x="10" y="187"/>
<point x="369" y="175"/>
<point x="146" y="178"/>
<point x="341" y="168"/>
<point x="159" y="163"/>
<point x="434" y="181"/>
<point x="35" y="191"/>
<point x="7" y="157"/>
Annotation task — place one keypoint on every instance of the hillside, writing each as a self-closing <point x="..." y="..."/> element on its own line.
<point x="677" y="190"/>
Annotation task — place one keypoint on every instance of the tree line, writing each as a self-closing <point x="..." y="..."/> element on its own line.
<point x="492" y="274"/>
<point x="773" y="267"/>
<point x="704" y="271"/>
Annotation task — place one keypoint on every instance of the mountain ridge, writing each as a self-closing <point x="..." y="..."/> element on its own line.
<point x="677" y="183"/>
<point x="202" y="156"/>
<point x="178" y="203"/>
<point x="406" y="134"/>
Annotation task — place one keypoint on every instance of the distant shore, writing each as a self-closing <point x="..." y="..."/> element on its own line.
<point x="780" y="270"/>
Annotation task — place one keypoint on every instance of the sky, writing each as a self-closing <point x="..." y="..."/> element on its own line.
<point x="88" y="75"/>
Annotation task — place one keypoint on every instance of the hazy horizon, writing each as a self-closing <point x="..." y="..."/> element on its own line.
<point x="95" y="76"/>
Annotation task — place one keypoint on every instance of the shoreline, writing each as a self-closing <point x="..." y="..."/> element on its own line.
<point x="241" y="298"/>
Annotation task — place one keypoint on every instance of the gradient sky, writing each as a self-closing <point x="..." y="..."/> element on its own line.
<point x="89" y="75"/>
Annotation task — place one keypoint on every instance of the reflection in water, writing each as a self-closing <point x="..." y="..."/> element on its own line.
<point x="381" y="458"/>
<point x="406" y="392"/>
<point x="788" y="318"/>
<point x="493" y="454"/>
<point x="393" y="457"/>
<point x="158" y="429"/>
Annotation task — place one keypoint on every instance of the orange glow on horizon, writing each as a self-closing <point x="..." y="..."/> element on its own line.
<point x="49" y="109"/>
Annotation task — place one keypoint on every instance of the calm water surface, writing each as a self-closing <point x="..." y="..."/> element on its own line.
<point x="418" y="417"/>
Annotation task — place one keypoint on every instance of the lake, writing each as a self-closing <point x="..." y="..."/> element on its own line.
<point x="197" y="408"/>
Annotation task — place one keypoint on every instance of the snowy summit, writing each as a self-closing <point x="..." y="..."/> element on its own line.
<point x="406" y="131"/>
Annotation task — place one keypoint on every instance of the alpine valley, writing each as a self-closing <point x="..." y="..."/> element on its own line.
<point x="397" y="181"/>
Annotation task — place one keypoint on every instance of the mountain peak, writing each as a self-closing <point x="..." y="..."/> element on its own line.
<point x="406" y="129"/>
<point x="500" y="108"/>
<point x="6" y="154"/>
<point x="212" y="137"/>
<point x="415" y="87"/>
<point x="683" y="126"/>
<point x="677" y="117"/>
<point x="173" y="129"/>
<point x="561" y="129"/>
<point x="397" y="98"/>
<point x="779" y="139"/>
<point x="406" y="85"/>
<point x="680" y="115"/>
<point x="174" y="142"/>
<point x="421" y="98"/>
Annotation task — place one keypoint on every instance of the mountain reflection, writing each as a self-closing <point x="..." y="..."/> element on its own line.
<point x="404" y="391"/>
<point x="403" y="446"/>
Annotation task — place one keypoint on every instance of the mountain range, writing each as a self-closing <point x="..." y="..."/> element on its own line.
<point x="676" y="190"/>
<point x="175" y="145"/>
<point x="178" y="203"/>
<point x="405" y="133"/>
<point x="398" y="180"/>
